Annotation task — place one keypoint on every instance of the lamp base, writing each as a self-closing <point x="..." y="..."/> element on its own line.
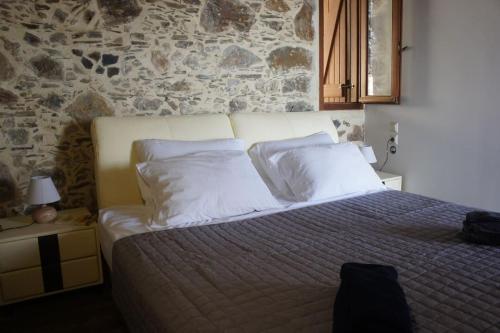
<point x="44" y="214"/>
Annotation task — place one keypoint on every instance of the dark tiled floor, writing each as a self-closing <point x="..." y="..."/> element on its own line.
<point x="83" y="310"/>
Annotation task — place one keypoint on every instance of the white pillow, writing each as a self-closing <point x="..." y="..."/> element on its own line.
<point x="261" y="152"/>
<point x="322" y="172"/>
<point x="199" y="187"/>
<point x="156" y="149"/>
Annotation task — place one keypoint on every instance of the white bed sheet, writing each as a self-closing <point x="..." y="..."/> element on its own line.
<point x="121" y="221"/>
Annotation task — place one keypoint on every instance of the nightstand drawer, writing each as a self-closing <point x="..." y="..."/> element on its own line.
<point x="19" y="254"/>
<point x="394" y="184"/>
<point x="77" y="244"/>
<point x="29" y="282"/>
<point x="21" y="284"/>
<point x="80" y="272"/>
<point x="25" y="253"/>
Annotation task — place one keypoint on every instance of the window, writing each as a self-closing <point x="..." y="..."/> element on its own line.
<point x="360" y="45"/>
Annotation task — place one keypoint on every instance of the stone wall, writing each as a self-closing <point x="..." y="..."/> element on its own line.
<point x="64" y="62"/>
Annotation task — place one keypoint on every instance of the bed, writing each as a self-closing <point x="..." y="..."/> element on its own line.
<point x="279" y="271"/>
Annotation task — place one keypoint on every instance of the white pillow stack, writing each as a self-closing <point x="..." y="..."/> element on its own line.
<point x="156" y="149"/>
<point x="326" y="171"/>
<point x="194" y="182"/>
<point x="262" y="152"/>
<point x="200" y="187"/>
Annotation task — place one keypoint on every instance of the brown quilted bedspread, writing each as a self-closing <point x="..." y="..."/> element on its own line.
<point x="280" y="273"/>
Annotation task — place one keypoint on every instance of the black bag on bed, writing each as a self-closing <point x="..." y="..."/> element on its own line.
<point x="482" y="228"/>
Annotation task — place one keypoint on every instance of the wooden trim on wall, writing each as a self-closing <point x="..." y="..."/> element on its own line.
<point x="321" y="62"/>
<point x="342" y="106"/>
<point x="334" y="32"/>
<point x="354" y="56"/>
<point x="397" y="35"/>
<point x="363" y="49"/>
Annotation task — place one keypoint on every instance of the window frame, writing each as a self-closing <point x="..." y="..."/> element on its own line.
<point x="359" y="58"/>
<point x="394" y="98"/>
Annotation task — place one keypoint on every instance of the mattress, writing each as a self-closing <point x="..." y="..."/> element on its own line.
<point x="122" y="221"/>
<point x="280" y="272"/>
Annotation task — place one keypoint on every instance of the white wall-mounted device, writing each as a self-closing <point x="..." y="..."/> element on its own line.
<point x="393" y="137"/>
<point x="395" y="132"/>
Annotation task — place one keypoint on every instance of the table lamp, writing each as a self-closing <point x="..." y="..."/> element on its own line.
<point x="368" y="153"/>
<point x="42" y="192"/>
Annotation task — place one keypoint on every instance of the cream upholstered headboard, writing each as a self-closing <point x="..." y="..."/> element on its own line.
<point x="258" y="127"/>
<point x="115" y="159"/>
<point x="113" y="138"/>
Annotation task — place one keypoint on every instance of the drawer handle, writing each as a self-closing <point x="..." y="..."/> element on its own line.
<point x="51" y="262"/>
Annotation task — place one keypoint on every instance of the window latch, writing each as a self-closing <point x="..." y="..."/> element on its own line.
<point x="401" y="48"/>
<point x="345" y="87"/>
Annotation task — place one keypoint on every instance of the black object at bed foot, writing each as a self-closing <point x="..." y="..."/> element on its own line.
<point x="370" y="299"/>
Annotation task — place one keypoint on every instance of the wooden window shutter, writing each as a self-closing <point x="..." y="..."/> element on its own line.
<point x="339" y="51"/>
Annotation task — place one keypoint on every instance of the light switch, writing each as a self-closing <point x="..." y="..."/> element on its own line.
<point x="394" y="127"/>
<point x="395" y="132"/>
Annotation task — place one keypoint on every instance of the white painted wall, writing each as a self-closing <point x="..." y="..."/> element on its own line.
<point x="450" y="111"/>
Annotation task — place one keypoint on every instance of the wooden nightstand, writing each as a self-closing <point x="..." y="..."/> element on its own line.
<point x="392" y="181"/>
<point x="44" y="259"/>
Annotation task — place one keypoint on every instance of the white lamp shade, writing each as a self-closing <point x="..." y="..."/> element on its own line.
<point x="368" y="153"/>
<point x="42" y="191"/>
